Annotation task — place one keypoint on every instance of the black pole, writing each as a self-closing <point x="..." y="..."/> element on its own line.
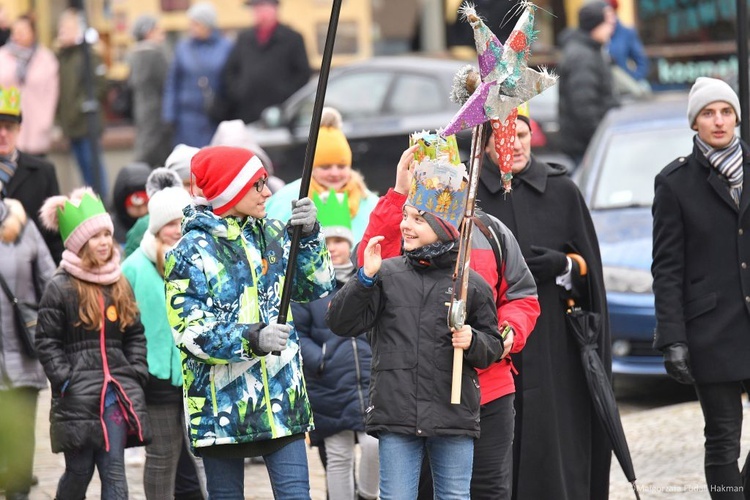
<point x="744" y="79"/>
<point x="91" y="104"/>
<point x="312" y="141"/>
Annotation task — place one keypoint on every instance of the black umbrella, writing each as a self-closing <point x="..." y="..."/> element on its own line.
<point x="585" y="327"/>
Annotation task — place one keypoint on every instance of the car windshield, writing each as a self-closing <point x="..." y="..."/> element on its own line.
<point x="631" y="162"/>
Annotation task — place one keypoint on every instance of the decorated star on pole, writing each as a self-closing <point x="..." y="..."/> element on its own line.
<point x="506" y="81"/>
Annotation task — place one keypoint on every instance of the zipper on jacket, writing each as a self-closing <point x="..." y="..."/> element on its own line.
<point x="358" y="373"/>
<point x="105" y="370"/>
<point x="213" y="391"/>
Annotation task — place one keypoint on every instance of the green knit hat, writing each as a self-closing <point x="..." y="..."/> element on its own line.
<point x="333" y="215"/>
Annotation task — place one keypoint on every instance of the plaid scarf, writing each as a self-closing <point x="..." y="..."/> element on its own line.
<point x="8" y="166"/>
<point x="728" y="162"/>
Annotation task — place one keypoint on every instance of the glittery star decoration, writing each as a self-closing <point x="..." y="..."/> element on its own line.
<point x="505" y="80"/>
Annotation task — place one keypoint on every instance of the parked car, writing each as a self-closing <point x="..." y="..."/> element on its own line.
<point x="616" y="177"/>
<point x="382" y="100"/>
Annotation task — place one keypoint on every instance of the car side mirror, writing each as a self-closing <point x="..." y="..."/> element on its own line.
<point x="271" y="117"/>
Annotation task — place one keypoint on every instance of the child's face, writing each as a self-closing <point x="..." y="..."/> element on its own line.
<point x="340" y="250"/>
<point x="170" y="233"/>
<point x="415" y="231"/>
<point x="100" y="246"/>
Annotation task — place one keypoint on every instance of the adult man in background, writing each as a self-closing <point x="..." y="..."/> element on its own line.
<point x="586" y="92"/>
<point x="267" y="64"/>
<point x="701" y="279"/>
<point x="24" y="177"/>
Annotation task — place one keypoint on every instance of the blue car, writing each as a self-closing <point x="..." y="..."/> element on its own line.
<point x="616" y="177"/>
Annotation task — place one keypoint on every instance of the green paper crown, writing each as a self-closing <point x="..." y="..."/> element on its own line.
<point x="71" y="216"/>
<point x="333" y="215"/>
<point x="10" y="102"/>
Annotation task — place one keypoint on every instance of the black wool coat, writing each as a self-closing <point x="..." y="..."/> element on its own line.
<point x="84" y="359"/>
<point x="557" y="436"/>
<point x="258" y="76"/>
<point x="701" y="255"/>
<point x="35" y="180"/>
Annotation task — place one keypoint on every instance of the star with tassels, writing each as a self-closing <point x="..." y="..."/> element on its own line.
<point x="506" y="81"/>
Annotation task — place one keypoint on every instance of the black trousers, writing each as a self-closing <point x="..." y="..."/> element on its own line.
<point x="722" y="412"/>
<point x="492" y="472"/>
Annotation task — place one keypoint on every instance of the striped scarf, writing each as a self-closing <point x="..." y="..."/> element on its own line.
<point x="728" y="162"/>
<point x="8" y="166"/>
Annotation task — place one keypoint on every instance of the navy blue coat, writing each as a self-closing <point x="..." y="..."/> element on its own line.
<point x="337" y="370"/>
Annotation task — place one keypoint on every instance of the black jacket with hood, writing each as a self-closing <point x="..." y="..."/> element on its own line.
<point x="412" y="353"/>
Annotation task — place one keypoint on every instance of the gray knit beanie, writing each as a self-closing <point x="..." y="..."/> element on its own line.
<point x="444" y="230"/>
<point x="179" y="160"/>
<point x="709" y="90"/>
<point x="144" y="25"/>
<point x="203" y="13"/>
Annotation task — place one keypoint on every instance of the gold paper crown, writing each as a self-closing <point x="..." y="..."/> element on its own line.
<point x="10" y="103"/>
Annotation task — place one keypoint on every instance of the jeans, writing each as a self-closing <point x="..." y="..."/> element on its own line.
<point x="340" y="465"/>
<point x="722" y="411"/>
<point x="287" y="469"/>
<point x="84" y="156"/>
<point x="401" y="456"/>
<point x="17" y="443"/>
<point x="79" y="464"/>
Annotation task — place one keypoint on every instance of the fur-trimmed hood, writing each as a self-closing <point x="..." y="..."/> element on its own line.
<point x="12" y="220"/>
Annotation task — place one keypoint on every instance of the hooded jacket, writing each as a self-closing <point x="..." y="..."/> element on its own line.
<point x="26" y="266"/>
<point x="130" y="179"/>
<point x="223" y="283"/>
<point x="412" y="353"/>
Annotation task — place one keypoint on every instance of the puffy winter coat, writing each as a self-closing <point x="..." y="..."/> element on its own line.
<point x="412" y="353"/>
<point x="337" y="370"/>
<point x="26" y="266"/>
<point x="224" y="280"/>
<point x="88" y="360"/>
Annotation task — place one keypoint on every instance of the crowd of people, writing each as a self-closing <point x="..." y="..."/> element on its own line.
<point x="158" y="316"/>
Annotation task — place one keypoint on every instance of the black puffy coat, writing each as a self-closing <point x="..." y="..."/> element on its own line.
<point x="412" y="353"/>
<point x="76" y="355"/>
<point x="337" y="370"/>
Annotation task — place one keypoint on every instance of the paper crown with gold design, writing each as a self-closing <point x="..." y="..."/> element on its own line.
<point x="10" y="104"/>
<point x="333" y="215"/>
<point x="439" y="185"/>
<point x="78" y="217"/>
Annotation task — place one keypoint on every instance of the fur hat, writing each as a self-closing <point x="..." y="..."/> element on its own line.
<point x="332" y="147"/>
<point x="709" y="90"/>
<point x="78" y="217"/>
<point x="166" y="200"/>
<point x="225" y="175"/>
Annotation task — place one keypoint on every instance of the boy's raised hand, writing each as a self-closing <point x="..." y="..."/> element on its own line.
<point x="404" y="170"/>
<point x="373" y="260"/>
<point x="462" y="337"/>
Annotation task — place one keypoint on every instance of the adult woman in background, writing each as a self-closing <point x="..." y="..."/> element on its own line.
<point x="26" y="267"/>
<point x="34" y="69"/>
<point x="332" y="169"/>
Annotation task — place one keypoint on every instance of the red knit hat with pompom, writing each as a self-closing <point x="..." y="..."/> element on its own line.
<point x="225" y="175"/>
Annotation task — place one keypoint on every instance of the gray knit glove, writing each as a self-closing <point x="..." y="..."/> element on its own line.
<point x="274" y="337"/>
<point x="304" y="213"/>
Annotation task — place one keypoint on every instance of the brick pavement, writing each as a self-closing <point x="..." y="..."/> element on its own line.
<point x="666" y="445"/>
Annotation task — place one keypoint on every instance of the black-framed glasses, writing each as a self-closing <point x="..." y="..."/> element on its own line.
<point x="260" y="184"/>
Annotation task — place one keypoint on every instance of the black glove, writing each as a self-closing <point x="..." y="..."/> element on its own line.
<point x="546" y="264"/>
<point x="677" y="362"/>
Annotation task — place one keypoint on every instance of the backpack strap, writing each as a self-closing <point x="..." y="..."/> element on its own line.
<point x="483" y="226"/>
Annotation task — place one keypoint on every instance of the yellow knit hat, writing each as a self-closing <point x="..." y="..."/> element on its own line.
<point x="332" y="147"/>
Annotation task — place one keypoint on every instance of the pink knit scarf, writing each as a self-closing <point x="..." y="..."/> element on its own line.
<point x="107" y="274"/>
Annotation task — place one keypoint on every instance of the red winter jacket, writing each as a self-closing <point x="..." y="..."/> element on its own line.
<point x="515" y="292"/>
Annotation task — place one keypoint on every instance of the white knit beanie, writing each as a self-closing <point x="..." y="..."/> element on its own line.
<point x="179" y="160"/>
<point x="204" y="13"/>
<point x="165" y="206"/>
<point x="709" y="90"/>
